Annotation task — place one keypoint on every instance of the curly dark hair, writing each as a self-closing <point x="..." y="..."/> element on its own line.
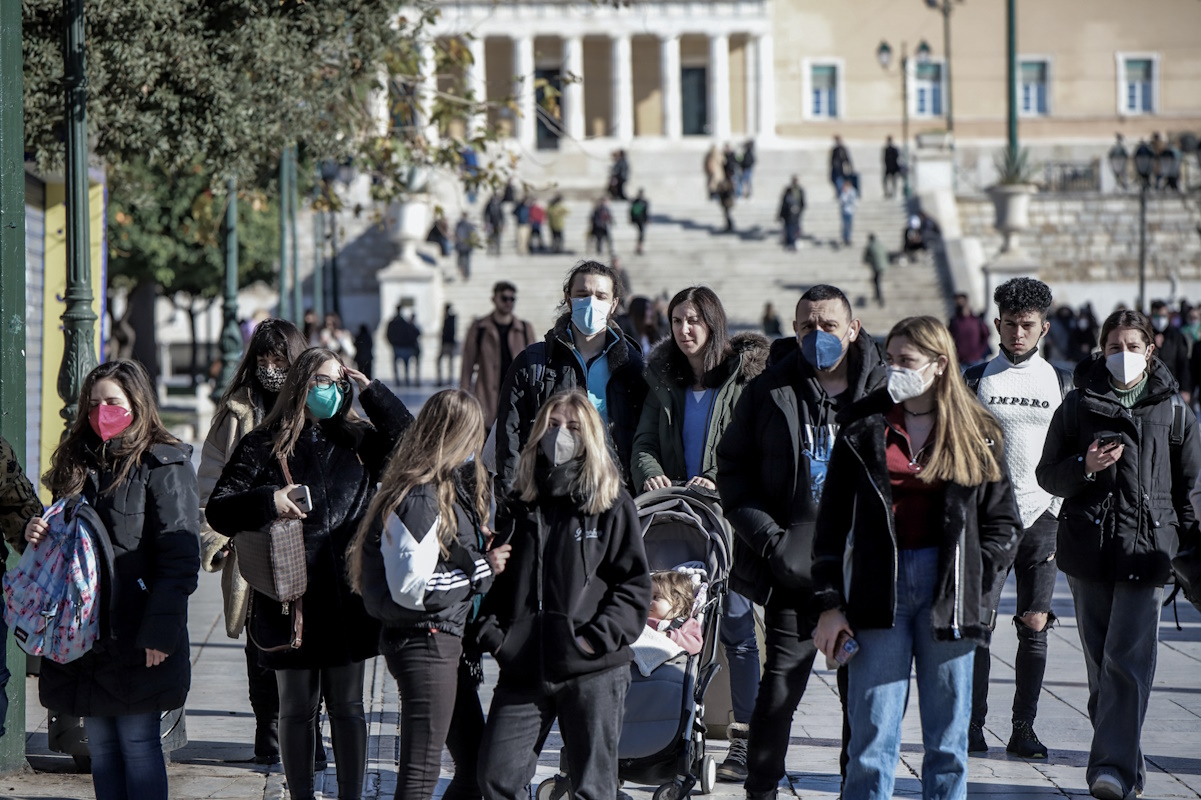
<point x="1019" y="295"/>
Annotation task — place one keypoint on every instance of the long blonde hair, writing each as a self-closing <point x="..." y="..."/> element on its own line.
<point x="599" y="481"/>
<point x="961" y="449"/>
<point x="448" y="431"/>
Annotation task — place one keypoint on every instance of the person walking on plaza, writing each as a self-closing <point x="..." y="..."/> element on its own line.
<point x="19" y="503"/>
<point x="139" y="479"/>
<point x="364" y="351"/>
<point x="405" y="338"/>
<point x="1171" y="347"/>
<point x="713" y="168"/>
<point x="312" y="438"/>
<point x="771" y="322"/>
<point x="521" y="222"/>
<point x="746" y="170"/>
<point x="332" y="336"/>
<point x="640" y="214"/>
<point x="561" y="617"/>
<point x="1123" y="453"/>
<point x="494" y="223"/>
<point x="969" y="332"/>
<point x="725" y="195"/>
<point x="449" y="345"/>
<point x="602" y="220"/>
<point x="771" y="470"/>
<point x="537" y="220"/>
<point x="792" y="205"/>
<point x="417" y="560"/>
<point x="840" y="165"/>
<point x="490" y="346"/>
<point x="917" y="519"/>
<point x="464" y="244"/>
<point x="556" y="218"/>
<point x="875" y="255"/>
<point x="694" y="380"/>
<point x="585" y="350"/>
<point x="274" y="346"/>
<point x="892" y="168"/>
<point x="848" y="201"/>
<point x="1020" y="373"/>
<point x="619" y="173"/>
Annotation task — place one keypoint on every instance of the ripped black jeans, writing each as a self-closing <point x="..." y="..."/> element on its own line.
<point x="1035" y="570"/>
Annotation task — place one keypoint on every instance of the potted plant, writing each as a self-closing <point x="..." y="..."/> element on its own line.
<point x="1011" y="194"/>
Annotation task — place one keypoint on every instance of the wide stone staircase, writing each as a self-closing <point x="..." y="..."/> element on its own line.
<point x="686" y="245"/>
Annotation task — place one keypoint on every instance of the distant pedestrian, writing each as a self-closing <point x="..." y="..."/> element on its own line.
<point x="725" y="195"/>
<point x="619" y="173"/>
<point x="771" y="321"/>
<point x="848" y="201"/>
<point x="875" y="255"/>
<point x="640" y="212"/>
<point x="792" y="205"/>
<point x="333" y="336"/>
<point x="556" y="218"/>
<point x="364" y="344"/>
<point x="746" y="169"/>
<point x="729" y="165"/>
<point x="521" y="218"/>
<point x="494" y="224"/>
<point x="440" y="234"/>
<point x="464" y="244"/>
<point x="713" y="171"/>
<point x="892" y="167"/>
<point x="969" y="332"/>
<point x="602" y="219"/>
<point x="840" y="165"/>
<point x="403" y="335"/>
<point x="489" y="347"/>
<point x="537" y="219"/>
<point x="450" y="345"/>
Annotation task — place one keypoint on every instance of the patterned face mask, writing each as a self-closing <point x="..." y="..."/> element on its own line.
<point x="270" y="377"/>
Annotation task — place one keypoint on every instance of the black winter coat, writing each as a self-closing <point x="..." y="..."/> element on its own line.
<point x="1127" y="523"/>
<point x="763" y="477"/>
<point x="408" y="582"/>
<point x="340" y="462"/>
<point x="566" y="577"/>
<point x="152" y="523"/>
<point x="855" y="551"/>
<point x="551" y="366"/>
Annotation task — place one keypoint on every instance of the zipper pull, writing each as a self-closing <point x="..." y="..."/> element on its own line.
<point x="142" y="585"/>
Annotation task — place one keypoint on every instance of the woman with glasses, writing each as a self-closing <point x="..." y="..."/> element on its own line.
<point x="338" y="457"/>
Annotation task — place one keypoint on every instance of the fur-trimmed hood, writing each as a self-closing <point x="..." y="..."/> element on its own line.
<point x="748" y="359"/>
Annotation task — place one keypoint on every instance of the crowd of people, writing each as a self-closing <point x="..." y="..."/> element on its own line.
<point x="879" y="495"/>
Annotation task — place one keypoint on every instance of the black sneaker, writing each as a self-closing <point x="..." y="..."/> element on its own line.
<point x="975" y="739"/>
<point x="1024" y="742"/>
<point x="734" y="767"/>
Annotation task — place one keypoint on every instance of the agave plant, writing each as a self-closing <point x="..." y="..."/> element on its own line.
<point x="1013" y="167"/>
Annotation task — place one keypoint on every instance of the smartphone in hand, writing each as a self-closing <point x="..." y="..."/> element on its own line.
<point x="1108" y="440"/>
<point x="302" y="498"/>
<point x="845" y="649"/>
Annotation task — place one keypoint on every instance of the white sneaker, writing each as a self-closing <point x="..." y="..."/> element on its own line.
<point x="1107" y="787"/>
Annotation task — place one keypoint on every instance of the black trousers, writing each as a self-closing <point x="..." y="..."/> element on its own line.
<point x="300" y="692"/>
<point x="264" y="699"/>
<point x="439" y="704"/>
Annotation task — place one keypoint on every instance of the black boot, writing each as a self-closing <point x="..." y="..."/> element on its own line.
<point x="266" y="741"/>
<point x="770" y="794"/>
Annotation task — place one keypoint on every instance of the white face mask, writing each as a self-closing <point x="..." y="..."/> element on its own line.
<point x="1159" y="323"/>
<point x="906" y="384"/>
<point x="1126" y="367"/>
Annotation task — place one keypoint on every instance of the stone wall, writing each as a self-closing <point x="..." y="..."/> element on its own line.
<point x="1094" y="238"/>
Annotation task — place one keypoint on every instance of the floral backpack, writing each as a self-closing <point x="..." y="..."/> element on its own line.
<point x="52" y="599"/>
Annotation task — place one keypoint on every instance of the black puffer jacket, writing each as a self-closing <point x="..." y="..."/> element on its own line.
<point x="855" y="551"/>
<point x="340" y="462"/>
<point x="152" y="524"/>
<point x="551" y="366"/>
<point x="567" y="577"/>
<point x="764" y="479"/>
<point x="408" y="582"/>
<point x="1127" y="523"/>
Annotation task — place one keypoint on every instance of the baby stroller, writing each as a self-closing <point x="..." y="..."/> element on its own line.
<point x="663" y="732"/>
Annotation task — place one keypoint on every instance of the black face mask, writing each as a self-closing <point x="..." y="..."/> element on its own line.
<point x="1029" y="354"/>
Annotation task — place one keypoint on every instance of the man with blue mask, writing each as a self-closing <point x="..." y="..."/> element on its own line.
<point x="771" y="467"/>
<point x="585" y="350"/>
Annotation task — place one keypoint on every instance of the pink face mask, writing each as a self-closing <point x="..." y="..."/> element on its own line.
<point x="109" y="421"/>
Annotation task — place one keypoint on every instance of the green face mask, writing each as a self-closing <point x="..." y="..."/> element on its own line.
<point x="324" y="401"/>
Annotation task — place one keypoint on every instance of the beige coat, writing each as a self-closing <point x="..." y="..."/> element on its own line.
<point x="481" y="360"/>
<point x="230" y="424"/>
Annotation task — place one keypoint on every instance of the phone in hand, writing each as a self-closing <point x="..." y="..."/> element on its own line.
<point x="845" y="649"/>
<point x="1108" y="440"/>
<point x="302" y="498"/>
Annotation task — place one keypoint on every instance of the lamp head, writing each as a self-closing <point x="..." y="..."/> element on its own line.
<point x="923" y="52"/>
<point x="884" y="54"/>
<point x="1144" y="160"/>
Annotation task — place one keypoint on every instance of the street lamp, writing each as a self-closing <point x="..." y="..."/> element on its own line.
<point x="945" y="7"/>
<point x="1144" y="165"/>
<point x="884" y="56"/>
<point x="231" y="335"/>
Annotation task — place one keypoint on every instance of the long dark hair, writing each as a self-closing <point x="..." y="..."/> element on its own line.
<point x="717" y="349"/>
<point x="69" y="464"/>
<point x="272" y="337"/>
<point x="288" y="412"/>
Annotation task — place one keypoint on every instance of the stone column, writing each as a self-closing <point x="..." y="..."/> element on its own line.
<point x="477" y="82"/>
<point x="573" y="91"/>
<point x="622" y="111"/>
<point x="669" y="77"/>
<point x="523" y="67"/>
<point x="751" y="93"/>
<point x="719" y="87"/>
<point x="766" y="72"/>
<point x="426" y="90"/>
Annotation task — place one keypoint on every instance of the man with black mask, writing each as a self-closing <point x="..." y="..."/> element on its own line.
<point x="1022" y="390"/>
<point x="771" y="466"/>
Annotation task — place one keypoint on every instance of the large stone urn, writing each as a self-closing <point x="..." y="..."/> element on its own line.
<point x="1011" y="202"/>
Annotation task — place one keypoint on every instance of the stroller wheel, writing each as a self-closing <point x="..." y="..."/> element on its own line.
<point x="668" y="791"/>
<point x="708" y="776"/>
<point x="555" y="788"/>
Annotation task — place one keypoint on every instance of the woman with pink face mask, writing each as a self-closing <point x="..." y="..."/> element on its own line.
<point x="140" y="480"/>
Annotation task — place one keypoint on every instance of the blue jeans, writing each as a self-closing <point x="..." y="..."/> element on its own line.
<point x="127" y="757"/>
<point x="847" y="221"/>
<point x="742" y="653"/>
<point x="878" y="693"/>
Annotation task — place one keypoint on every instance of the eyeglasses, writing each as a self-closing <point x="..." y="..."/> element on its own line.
<point x="325" y="380"/>
<point x="507" y="298"/>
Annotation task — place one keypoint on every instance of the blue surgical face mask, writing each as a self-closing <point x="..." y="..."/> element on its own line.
<point x="590" y="314"/>
<point x="324" y="401"/>
<point x="821" y="349"/>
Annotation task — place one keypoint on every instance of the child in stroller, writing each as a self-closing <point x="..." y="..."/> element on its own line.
<point x="673" y="595"/>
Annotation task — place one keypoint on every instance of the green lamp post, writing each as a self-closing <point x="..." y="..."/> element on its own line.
<point x="285" y="199"/>
<point x="231" y="335"/>
<point x="78" y="319"/>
